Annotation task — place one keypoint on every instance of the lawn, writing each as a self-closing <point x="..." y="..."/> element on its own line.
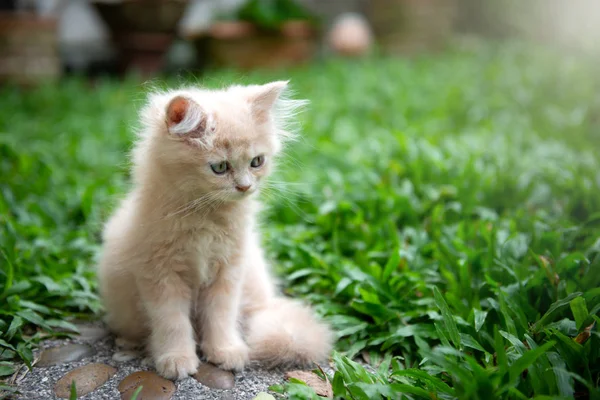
<point x="443" y="213"/>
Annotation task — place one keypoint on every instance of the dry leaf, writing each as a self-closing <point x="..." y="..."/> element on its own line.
<point x="585" y="335"/>
<point x="366" y="356"/>
<point x="321" y="387"/>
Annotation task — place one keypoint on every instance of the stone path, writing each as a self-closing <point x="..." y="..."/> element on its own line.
<point x="88" y="359"/>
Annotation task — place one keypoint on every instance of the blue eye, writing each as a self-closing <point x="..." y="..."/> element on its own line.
<point x="257" y="161"/>
<point x="220" y="168"/>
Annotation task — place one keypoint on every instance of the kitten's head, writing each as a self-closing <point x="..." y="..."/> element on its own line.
<point x="222" y="142"/>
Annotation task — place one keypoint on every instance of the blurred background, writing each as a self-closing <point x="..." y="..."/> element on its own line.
<point x="46" y="39"/>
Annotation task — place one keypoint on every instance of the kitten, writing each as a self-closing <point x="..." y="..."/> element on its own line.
<point x="182" y="258"/>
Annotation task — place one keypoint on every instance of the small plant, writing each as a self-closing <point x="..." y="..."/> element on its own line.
<point x="137" y="392"/>
<point x="271" y="14"/>
<point x="73" y="395"/>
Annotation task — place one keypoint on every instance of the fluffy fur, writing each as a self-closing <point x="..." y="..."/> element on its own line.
<point x="182" y="264"/>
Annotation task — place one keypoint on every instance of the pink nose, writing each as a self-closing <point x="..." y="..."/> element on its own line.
<point x="242" y="188"/>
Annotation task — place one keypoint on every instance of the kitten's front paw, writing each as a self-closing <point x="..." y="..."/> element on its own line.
<point x="177" y="365"/>
<point x="232" y="355"/>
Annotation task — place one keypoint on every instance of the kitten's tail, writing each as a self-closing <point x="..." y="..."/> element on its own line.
<point x="287" y="333"/>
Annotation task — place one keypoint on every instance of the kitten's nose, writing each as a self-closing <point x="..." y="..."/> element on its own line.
<point x="242" y="188"/>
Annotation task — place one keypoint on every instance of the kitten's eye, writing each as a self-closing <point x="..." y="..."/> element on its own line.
<point x="220" y="168"/>
<point x="257" y="161"/>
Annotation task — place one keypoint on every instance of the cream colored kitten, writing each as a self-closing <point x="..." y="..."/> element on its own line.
<point x="182" y="259"/>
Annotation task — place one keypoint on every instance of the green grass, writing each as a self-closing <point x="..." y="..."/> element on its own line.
<point x="443" y="213"/>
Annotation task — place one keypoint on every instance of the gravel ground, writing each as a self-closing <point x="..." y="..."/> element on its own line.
<point x="39" y="383"/>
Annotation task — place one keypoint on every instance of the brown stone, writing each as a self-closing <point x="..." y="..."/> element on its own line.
<point x="321" y="387"/>
<point x="154" y="387"/>
<point x="86" y="378"/>
<point x="214" y="377"/>
<point x="64" y="354"/>
<point x="232" y="29"/>
<point x="297" y="29"/>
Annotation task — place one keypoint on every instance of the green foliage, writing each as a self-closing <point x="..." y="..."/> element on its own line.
<point x="441" y="213"/>
<point x="53" y="197"/>
<point x="271" y="14"/>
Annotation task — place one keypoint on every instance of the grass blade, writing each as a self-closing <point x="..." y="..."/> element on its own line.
<point x="447" y="317"/>
<point x="391" y="265"/>
<point x="580" y="311"/>
<point x="73" y="395"/>
<point x="137" y="392"/>
<point x="420" y="375"/>
<point x="479" y="319"/>
<point x="555" y="306"/>
<point x="523" y="362"/>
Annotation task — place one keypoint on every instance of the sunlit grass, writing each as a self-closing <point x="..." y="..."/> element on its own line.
<point x="441" y="213"/>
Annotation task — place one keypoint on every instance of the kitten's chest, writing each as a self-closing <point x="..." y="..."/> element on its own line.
<point x="213" y="247"/>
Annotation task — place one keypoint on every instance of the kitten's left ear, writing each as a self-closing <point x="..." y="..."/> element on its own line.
<point x="185" y="116"/>
<point x="263" y="97"/>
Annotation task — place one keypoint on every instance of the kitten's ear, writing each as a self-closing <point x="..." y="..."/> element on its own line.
<point x="263" y="97"/>
<point x="185" y="116"/>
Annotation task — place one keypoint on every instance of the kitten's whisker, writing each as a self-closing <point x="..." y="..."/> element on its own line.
<point x="274" y="196"/>
<point x="283" y="183"/>
<point x="292" y="161"/>
<point x="187" y="206"/>
<point x="210" y="202"/>
<point x="281" y="189"/>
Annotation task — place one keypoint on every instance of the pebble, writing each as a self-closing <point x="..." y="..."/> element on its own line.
<point x="125" y="355"/>
<point x="87" y="378"/>
<point x="91" y="333"/>
<point x="155" y="387"/>
<point x="64" y="354"/>
<point x="147" y="362"/>
<point x="214" y="377"/>
<point x="264" y="396"/>
<point x="39" y="383"/>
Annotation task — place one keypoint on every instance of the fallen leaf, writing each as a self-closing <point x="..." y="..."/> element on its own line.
<point x="584" y="335"/>
<point x="366" y="356"/>
<point x="321" y="387"/>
